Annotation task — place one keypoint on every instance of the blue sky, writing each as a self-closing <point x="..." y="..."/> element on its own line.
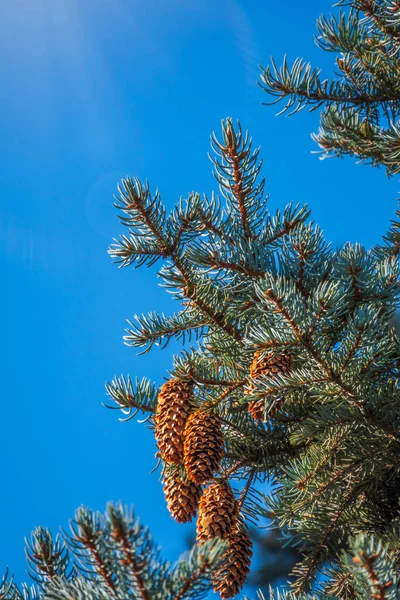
<point x="92" y="92"/>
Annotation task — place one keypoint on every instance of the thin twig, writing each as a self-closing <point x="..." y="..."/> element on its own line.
<point x="246" y="489"/>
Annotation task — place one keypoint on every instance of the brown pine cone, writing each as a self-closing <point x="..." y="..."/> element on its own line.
<point x="256" y="409"/>
<point x="218" y="510"/>
<point x="269" y="365"/>
<point x="182" y="496"/>
<point x="175" y="403"/>
<point x="203" y="446"/>
<point x="231" y="573"/>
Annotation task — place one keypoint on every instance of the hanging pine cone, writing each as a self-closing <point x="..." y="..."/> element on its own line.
<point x="218" y="510"/>
<point x="182" y="496"/>
<point x="256" y="410"/>
<point x="174" y="404"/>
<point x="231" y="573"/>
<point x="269" y="365"/>
<point x="203" y="446"/>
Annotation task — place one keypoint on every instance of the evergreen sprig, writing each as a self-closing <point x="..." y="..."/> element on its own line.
<point x="361" y="103"/>
<point x="110" y="556"/>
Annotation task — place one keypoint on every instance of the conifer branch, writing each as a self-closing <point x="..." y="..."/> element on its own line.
<point x="236" y="170"/>
<point x="368" y="563"/>
<point x="234" y="158"/>
<point x="351" y="353"/>
<point x="219" y="263"/>
<point x="287" y="228"/>
<point x="369" y="7"/>
<point x="153" y="329"/>
<point x="226" y="394"/>
<point x="119" y="533"/>
<point x="301" y="483"/>
<point x="141" y="397"/>
<point x="98" y="562"/>
<point x="313" y="558"/>
<point x="342" y="473"/>
<point x="251" y="282"/>
<point x="46" y="558"/>
<point x="232" y="470"/>
<point x="193" y="579"/>
<point x="360" y="108"/>
<point x="216" y="318"/>
<point x="246" y="488"/>
<point x="184" y="226"/>
<point x="285" y="82"/>
<point x="335" y="378"/>
<point x="231" y="425"/>
<point x="217" y="382"/>
<point x="87" y="542"/>
<point x="217" y="231"/>
<point x="146" y="215"/>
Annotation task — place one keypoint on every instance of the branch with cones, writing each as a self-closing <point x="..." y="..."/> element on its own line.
<point x="190" y="441"/>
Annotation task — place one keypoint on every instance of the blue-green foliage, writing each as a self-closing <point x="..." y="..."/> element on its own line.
<point x="110" y="556"/>
<point x="251" y="281"/>
<point x="361" y="104"/>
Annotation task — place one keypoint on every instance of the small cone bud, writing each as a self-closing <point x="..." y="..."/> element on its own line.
<point x="182" y="497"/>
<point x="218" y="509"/>
<point x="267" y="365"/>
<point x="231" y="573"/>
<point x="203" y="446"/>
<point x="175" y="402"/>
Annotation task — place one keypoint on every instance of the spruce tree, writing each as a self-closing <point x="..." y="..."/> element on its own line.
<point x="289" y="373"/>
<point x="293" y="376"/>
<point x="289" y="370"/>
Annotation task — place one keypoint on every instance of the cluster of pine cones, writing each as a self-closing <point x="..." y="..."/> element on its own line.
<point x="190" y="442"/>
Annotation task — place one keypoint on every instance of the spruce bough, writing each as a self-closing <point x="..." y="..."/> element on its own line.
<point x="110" y="556"/>
<point x="261" y="287"/>
<point x="253" y="290"/>
<point x="361" y="102"/>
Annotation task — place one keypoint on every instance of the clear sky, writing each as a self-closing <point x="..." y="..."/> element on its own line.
<point x="90" y="92"/>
